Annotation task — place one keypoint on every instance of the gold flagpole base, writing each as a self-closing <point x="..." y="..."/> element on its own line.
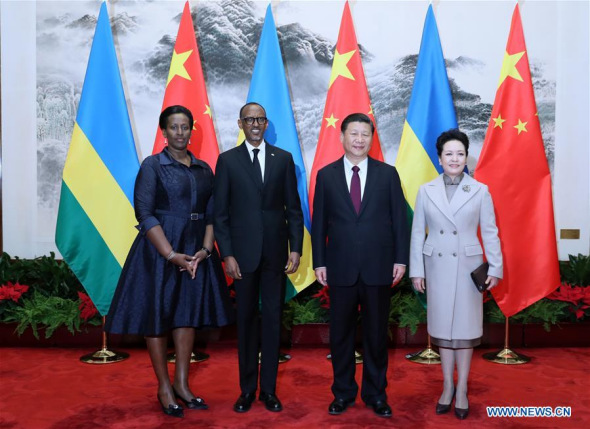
<point x="358" y="357"/>
<point x="427" y="356"/>
<point x="283" y="357"/>
<point x="104" y="356"/>
<point x="506" y="357"/>
<point x="196" y="357"/>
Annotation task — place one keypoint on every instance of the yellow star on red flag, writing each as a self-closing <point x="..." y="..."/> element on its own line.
<point x="498" y="121"/>
<point x="521" y="126"/>
<point x="509" y="67"/>
<point x="331" y="121"/>
<point x="177" y="65"/>
<point x="339" y="67"/>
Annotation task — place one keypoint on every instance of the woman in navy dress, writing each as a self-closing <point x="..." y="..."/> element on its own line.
<point x="172" y="280"/>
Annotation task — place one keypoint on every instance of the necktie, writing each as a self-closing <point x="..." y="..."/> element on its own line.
<point x="257" y="164"/>
<point x="355" y="189"/>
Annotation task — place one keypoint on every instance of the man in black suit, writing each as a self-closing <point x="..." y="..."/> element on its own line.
<point x="258" y="226"/>
<point x="360" y="247"/>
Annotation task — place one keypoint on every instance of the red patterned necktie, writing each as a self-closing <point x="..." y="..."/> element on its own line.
<point x="355" y="189"/>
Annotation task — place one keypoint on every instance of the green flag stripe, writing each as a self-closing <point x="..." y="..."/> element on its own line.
<point x="90" y="259"/>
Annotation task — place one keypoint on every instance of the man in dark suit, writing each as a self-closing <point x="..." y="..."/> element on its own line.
<point x="360" y="247"/>
<point x="258" y="226"/>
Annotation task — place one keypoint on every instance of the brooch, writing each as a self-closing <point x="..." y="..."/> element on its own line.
<point x="466" y="188"/>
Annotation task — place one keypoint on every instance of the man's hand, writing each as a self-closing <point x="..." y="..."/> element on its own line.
<point x="321" y="274"/>
<point x="292" y="263"/>
<point x="232" y="268"/>
<point x="398" y="272"/>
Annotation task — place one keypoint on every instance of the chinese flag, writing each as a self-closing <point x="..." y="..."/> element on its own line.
<point x="513" y="165"/>
<point x="347" y="93"/>
<point x="186" y="86"/>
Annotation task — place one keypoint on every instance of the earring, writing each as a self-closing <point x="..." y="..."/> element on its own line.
<point x="165" y="141"/>
<point x="189" y="142"/>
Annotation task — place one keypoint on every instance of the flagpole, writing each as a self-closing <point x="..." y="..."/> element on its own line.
<point x="104" y="355"/>
<point x="506" y="356"/>
<point x="426" y="356"/>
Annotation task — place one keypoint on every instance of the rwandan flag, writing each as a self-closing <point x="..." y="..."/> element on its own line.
<point x="269" y="88"/>
<point x="431" y="112"/>
<point x="95" y="223"/>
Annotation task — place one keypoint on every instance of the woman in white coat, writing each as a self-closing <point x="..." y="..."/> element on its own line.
<point x="444" y="250"/>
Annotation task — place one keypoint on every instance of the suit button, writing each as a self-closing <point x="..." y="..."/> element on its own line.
<point x="441" y="231"/>
<point x="454" y="254"/>
<point x="440" y="254"/>
<point x="454" y="232"/>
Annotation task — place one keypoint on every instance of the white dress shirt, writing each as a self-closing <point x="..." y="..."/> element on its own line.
<point x="261" y="155"/>
<point x="363" y="165"/>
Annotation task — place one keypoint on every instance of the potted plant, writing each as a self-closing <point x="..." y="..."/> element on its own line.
<point x="44" y="295"/>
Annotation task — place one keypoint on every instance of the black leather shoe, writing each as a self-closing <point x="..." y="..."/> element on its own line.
<point x="444" y="408"/>
<point x="461" y="413"/>
<point x="172" y="410"/>
<point x="244" y="402"/>
<point x="194" y="404"/>
<point x="271" y="402"/>
<point x="381" y="408"/>
<point x="338" y="406"/>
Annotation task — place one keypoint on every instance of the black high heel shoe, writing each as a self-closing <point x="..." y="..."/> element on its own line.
<point x="172" y="410"/>
<point x="461" y="413"/>
<point x="445" y="408"/>
<point x="194" y="404"/>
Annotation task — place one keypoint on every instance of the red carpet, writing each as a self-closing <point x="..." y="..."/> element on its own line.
<point x="50" y="388"/>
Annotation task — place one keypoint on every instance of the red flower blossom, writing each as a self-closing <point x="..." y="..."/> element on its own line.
<point x="324" y="297"/>
<point x="12" y="291"/>
<point x="578" y="296"/>
<point x="565" y="292"/>
<point x="87" y="308"/>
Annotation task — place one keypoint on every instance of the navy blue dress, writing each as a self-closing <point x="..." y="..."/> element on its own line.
<point x="153" y="296"/>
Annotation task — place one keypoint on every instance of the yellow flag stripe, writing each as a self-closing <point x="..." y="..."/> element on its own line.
<point x="305" y="275"/>
<point x="241" y="138"/>
<point x="99" y="195"/>
<point x="413" y="165"/>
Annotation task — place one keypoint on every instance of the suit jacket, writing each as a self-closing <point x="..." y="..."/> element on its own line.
<point x="451" y="250"/>
<point x="367" y="244"/>
<point x="252" y="218"/>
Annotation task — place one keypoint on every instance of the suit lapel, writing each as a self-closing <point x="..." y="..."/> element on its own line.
<point x="341" y="184"/>
<point x="372" y="174"/>
<point x="468" y="188"/>
<point x="269" y="162"/>
<point x="246" y="162"/>
<point x="437" y="194"/>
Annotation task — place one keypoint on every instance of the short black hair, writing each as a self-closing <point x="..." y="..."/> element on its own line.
<point x="357" y="117"/>
<point x="172" y="110"/>
<point x="452" y="134"/>
<point x="252" y="103"/>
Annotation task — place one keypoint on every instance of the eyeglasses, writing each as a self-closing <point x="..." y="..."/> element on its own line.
<point x="250" y="120"/>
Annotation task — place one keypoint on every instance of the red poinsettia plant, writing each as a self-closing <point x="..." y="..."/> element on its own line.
<point x="577" y="296"/>
<point x="324" y="296"/>
<point x="87" y="308"/>
<point x="12" y="291"/>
